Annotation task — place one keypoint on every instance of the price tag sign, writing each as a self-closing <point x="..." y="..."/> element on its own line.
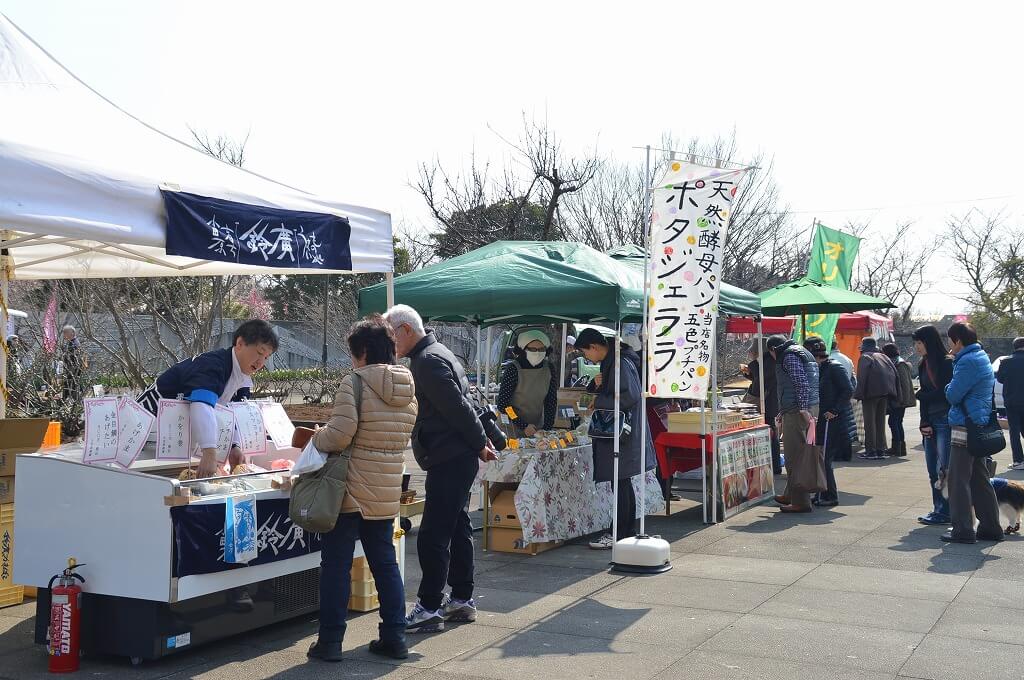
<point x="252" y="434"/>
<point x="135" y="425"/>
<point x="278" y="424"/>
<point x="173" y="430"/>
<point x="101" y="428"/>
<point x="225" y="432"/>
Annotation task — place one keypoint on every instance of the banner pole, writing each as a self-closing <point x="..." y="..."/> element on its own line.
<point x="645" y="344"/>
<point x="6" y="265"/>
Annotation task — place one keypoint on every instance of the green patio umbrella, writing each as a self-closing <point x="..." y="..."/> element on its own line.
<point x="732" y="301"/>
<point x="803" y="297"/>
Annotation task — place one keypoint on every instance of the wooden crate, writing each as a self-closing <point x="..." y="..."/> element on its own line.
<point x="11" y="595"/>
<point x="361" y="570"/>
<point x="364" y="588"/>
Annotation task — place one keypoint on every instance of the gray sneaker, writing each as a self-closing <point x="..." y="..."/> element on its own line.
<point x="421" y="620"/>
<point x="458" y="611"/>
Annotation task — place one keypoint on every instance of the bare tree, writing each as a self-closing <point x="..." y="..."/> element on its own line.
<point x="990" y="258"/>
<point x="609" y="210"/>
<point x="893" y="265"/>
<point x="222" y="147"/>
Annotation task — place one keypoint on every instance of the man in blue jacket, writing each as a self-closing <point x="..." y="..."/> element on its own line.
<point x="217" y="377"/>
<point x="1011" y="376"/>
<point x="970" y="396"/>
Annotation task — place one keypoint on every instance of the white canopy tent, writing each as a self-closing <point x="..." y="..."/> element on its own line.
<point x="80" y="183"/>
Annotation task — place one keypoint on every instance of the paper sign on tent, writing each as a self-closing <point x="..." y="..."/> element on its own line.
<point x="101" y="429"/>
<point x="174" y="430"/>
<point x="252" y="433"/>
<point x="135" y="425"/>
<point x="278" y="425"/>
<point x="225" y="432"/>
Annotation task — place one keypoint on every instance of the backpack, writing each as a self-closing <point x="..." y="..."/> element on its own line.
<point x="316" y="497"/>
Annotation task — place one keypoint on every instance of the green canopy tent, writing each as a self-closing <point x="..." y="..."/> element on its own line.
<point x="803" y="297"/>
<point x="732" y="301"/>
<point x="519" y="282"/>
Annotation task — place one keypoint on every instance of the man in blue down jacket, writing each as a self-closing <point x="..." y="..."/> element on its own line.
<point x="970" y="396"/>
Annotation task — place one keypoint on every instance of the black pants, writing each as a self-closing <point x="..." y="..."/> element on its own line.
<point x="627" y="510"/>
<point x="776" y="448"/>
<point x="1015" y="417"/>
<point x="445" y="540"/>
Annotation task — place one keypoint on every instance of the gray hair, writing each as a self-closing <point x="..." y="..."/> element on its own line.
<point x="74" y="331"/>
<point x="400" y="314"/>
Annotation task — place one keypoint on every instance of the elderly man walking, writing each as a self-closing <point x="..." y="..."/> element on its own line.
<point x="796" y="374"/>
<point x="876" y="384"/>
<point x="448" y="440"/>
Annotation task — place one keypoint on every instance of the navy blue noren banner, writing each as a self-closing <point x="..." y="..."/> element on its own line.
<point x="199" y="537"/>
<point x="226" y="231"/>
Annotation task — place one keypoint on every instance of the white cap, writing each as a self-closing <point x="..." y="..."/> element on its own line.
<point x="570" y="340"/>
<point x="526" y="337"/>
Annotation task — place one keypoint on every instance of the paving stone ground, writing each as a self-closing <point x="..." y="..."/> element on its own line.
<point x="859" y="592"/>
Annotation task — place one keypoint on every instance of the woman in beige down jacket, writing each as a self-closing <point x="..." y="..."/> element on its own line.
<point x="378" y="434"/>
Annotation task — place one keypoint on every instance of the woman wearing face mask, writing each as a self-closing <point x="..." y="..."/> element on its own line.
<point x="529" y="384"/>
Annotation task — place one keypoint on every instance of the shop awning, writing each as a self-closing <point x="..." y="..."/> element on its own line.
<point x="81" y="181"/>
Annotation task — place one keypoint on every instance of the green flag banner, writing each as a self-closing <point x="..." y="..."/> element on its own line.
<point x="832" y="256"/>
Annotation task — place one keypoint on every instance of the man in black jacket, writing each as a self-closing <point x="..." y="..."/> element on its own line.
<point x="1011" y="375"/>
<point x="447" y="440"/>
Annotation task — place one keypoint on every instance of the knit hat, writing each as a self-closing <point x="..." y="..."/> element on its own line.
<point x="868" y="343"/>
<point x="526" y="337"/>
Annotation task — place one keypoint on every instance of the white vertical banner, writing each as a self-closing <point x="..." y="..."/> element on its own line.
<point x="691" y="209"/>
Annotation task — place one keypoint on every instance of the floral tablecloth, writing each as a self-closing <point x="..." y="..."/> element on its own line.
<point x="557" y="498"/>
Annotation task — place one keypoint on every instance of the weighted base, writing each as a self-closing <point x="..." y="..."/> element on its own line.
<point x="641" y="555"/>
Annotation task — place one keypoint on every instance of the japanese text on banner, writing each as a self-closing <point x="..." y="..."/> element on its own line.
<point x="690" y="216"/>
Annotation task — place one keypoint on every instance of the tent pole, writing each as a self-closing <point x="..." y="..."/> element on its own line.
<point x="643" y="352"/>
<point x="5" y="284"/>
<point x="703" y="461"/>
<point x="327" y="292"/>
<point x="390" y="279"/>
<point x="478" y="365"/>
<point x="615" y="442"/>
<point x="760" y="366"/>
<point x="714" y="439"/>
<point x="487" y="371"/>
<point x="561" y="370"/>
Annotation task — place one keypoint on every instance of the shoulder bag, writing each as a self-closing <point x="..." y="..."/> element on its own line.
<point x="985" y="440"/>
<point x="316" y="497"/>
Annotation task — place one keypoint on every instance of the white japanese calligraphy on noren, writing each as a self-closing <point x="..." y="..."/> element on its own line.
<point x="222" y="239"/>
<point x="257" y="242"/>
<point x="285" y="239"/>
<point x="310" y="247"/>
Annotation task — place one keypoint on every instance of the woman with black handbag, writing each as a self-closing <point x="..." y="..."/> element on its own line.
<point x="971" y="417"/>
<point x="600" y="350"/>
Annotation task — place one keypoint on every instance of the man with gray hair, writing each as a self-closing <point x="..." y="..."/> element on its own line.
<point x="447" y="440"/>
<point x="72" y="363"/>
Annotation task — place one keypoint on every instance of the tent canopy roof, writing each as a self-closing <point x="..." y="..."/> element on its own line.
<point x="80" y="181"/>
<point x="732" y="301"/>
<point x="518" y="282"/>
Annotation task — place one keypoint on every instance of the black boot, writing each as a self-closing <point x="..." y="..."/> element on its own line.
<point x="325" y="651"/>
<point x="394" y="649"/>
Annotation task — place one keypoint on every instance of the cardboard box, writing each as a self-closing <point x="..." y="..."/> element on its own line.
<point x="19" y="435"/>
<point x="361" y="570"/>
<point x="363" y="588"/>
<point x="363" y="604"/>
<point x="7" y="489"/>
<point x="11" y="595"/>
<point x="511" y="540"/>
<point x="502" y="512"/>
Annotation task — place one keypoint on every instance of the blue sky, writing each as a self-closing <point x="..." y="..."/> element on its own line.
<point x="911" y="107"/>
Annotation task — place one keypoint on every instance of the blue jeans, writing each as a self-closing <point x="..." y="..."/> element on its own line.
<point x="336" y="576"/>
<point x="936" y="457"/>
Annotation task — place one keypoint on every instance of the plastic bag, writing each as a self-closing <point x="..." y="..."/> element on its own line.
<point x="311" y="460"/>
<point x="240" y="544"/>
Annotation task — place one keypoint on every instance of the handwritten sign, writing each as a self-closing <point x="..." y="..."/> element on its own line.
<point x="225" y="432"/>
<point x="279" y="425"/>
<point x="101" y="430"/>
<point x="252" y="434"/>
<point x="135" y="424"/>
<point x="692" y="207"/>
<point x="174" y="430"/>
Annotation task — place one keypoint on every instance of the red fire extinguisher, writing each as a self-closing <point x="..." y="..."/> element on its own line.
<point x="65" y="620"/>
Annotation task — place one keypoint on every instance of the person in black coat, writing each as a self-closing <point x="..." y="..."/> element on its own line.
<point x="1011" y="375"/>
<point x="771" y="397"/>
<point x="835" y="390"/>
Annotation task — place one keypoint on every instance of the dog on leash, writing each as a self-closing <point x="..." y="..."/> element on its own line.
<point x="1009" y="493"/>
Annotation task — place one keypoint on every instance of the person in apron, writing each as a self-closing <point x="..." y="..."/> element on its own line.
<point x="216" y="377"/>
<point x="529" y="383"/>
